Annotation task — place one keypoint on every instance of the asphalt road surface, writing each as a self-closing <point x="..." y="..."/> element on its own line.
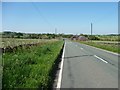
<point x="88" y="67"/>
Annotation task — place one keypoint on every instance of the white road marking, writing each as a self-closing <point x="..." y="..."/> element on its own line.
<point x="61" y="69"/>
<point x="102" y="50"/>
<point x="100" y="58"/>
<point x="81" y="48"/>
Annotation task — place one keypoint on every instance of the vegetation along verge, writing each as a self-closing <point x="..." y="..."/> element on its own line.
<point x="114" y="47"/>
<point x="31" y="67"/>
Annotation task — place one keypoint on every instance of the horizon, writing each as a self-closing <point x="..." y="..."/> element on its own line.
<point x="60" y="33"/>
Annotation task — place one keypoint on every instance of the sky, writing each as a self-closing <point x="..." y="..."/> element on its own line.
<point x="66" y="17"/>
<point x="60" y="0"/>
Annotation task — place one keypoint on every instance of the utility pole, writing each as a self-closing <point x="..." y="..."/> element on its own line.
<point x="91" y="31"/>
<point x="55" y="30"/>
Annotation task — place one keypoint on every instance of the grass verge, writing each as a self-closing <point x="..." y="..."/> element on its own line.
<point x="110" y="47"/>
<point x="30" y="68"/>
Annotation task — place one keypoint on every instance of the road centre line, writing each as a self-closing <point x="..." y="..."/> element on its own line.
<point x="100" y="58"/>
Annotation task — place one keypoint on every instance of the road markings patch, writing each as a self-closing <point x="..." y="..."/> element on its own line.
<point x="81" y="48"/>
<point x="100" y="58"/>
<point x="102" y="50"/>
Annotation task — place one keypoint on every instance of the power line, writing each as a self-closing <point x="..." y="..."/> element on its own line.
<point x="103" y="18"/>
<point x="41" y="15"/>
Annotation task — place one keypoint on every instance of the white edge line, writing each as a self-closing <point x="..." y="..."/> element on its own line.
<point x="61" y="69"/>
<point x="100" y="58"/>
<point x="81" y="48"/>
<point x="103" y="50"/>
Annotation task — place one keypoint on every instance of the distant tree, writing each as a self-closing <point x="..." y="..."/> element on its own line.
<point x="19" y="34"/>
<point x="93" y="37"/>
<point x="7" y="32"/>
<point x="84" y="35"/>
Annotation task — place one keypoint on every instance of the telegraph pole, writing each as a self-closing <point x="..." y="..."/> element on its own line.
<point x="91" y="31"/>
<point x="56" y="31"/>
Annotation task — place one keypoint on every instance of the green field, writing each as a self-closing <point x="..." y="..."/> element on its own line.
<point x="30" y="68"/>
<point x="107" y="46"/>
<point x="109" y="37"/>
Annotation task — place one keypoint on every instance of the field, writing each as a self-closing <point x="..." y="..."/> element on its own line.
<point x="107" y="45"/>
<point x="30" y="67"/>
<point x="109" y="37"/>
<point x="16" y="42"/>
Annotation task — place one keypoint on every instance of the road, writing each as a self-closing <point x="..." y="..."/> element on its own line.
<point x="87" y="67"/>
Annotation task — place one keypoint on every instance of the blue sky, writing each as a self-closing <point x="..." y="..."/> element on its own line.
<point x="67" y="17"/>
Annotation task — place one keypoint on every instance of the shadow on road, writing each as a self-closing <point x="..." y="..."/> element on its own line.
<point x="77" y="56"/>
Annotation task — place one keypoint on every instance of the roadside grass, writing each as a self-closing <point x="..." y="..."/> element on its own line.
<point x="30" y="68"/>
<point x="107" y="46"/>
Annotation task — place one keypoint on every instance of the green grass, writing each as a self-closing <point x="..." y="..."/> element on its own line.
<point x="30" y="68"/>
<point x="109" y="47"/>
<point x="109" y="38"/>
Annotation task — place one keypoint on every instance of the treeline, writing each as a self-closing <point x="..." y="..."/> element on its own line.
<point x="8" y="34"/>
<point x="90" y="37"/>
<point x="109" y="37"/>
